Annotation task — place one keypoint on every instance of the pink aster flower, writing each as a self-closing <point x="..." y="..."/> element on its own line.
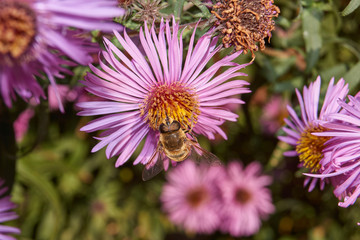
<point x="341" y="160"/>
<point x="36" y="34"/>
<point x="308" y="147"/>
<point x="139" y="92"/>
<point x="246" y="199"/>
<point x="191" y="197"/>
<point x="6" y="214"/>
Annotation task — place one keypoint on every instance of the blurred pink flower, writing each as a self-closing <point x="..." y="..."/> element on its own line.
<point x="66" y="94"/>
<point x="246" y="199"/>
<point x="191" y="197"/>
<point x="76" y="94"/>
<point x="21" y="124"/>
<point x="273" y="114"/>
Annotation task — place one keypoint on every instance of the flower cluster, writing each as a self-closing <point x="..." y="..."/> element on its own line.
<point x="232" y="199"/>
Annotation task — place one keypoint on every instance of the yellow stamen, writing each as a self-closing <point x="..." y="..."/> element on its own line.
<point x="172" y="100"/>
<point x="310" y="147"/>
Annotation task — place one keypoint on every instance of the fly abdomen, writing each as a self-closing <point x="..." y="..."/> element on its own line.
<point x="173" y="142"/>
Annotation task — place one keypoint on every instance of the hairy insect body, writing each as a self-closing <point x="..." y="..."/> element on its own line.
<point x="174" y="145"/>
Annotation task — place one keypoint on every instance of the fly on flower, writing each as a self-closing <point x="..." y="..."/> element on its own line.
<point x="176" y="145"/>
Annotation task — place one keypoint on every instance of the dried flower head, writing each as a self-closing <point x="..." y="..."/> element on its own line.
<point x="243" y="23"/>
<point x="125" y="3"/>
<point x="148" y="10"/>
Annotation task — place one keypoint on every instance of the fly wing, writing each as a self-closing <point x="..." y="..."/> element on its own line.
<point x="200" y="155"/>
<point x="154" y="167"/>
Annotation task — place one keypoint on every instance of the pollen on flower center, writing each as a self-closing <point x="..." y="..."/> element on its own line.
<point x="310" y="147"/>
<point x="171" y="100"/>
<point x="17" y="28"/>
<point x="242" y="196"/>
<point x="195" y="197"/>
<point x="245" y="22"/>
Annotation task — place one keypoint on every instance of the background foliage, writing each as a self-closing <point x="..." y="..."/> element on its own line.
<point x="65" y="192"/>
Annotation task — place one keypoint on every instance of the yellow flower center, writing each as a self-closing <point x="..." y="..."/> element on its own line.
<point x="172" y="100"/>
<point x="310" y="147"/>
<point x="17" y="28"/>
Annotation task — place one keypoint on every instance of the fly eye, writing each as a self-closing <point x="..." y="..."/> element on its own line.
<point x="174" y="126"/>
<point x="163" y="128"/>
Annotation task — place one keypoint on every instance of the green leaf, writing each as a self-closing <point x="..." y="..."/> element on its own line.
<point x="311" y="59"/>
<point x="353" y="77"/>
<point x="311" y="33"/>
<point x="46" y="189"/>
<point x="178" y="9"/>
<point x="352" y="6"/>
<point x="336" y="71"/>
<point x="202" y="7"/>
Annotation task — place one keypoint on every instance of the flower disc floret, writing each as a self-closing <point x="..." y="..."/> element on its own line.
<point x="18" y="29"/>
<point x="173" y="100"/>
<point x="310" y="147"/>
<point x="242" y="195"/>
<point x="195" y="197"/>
